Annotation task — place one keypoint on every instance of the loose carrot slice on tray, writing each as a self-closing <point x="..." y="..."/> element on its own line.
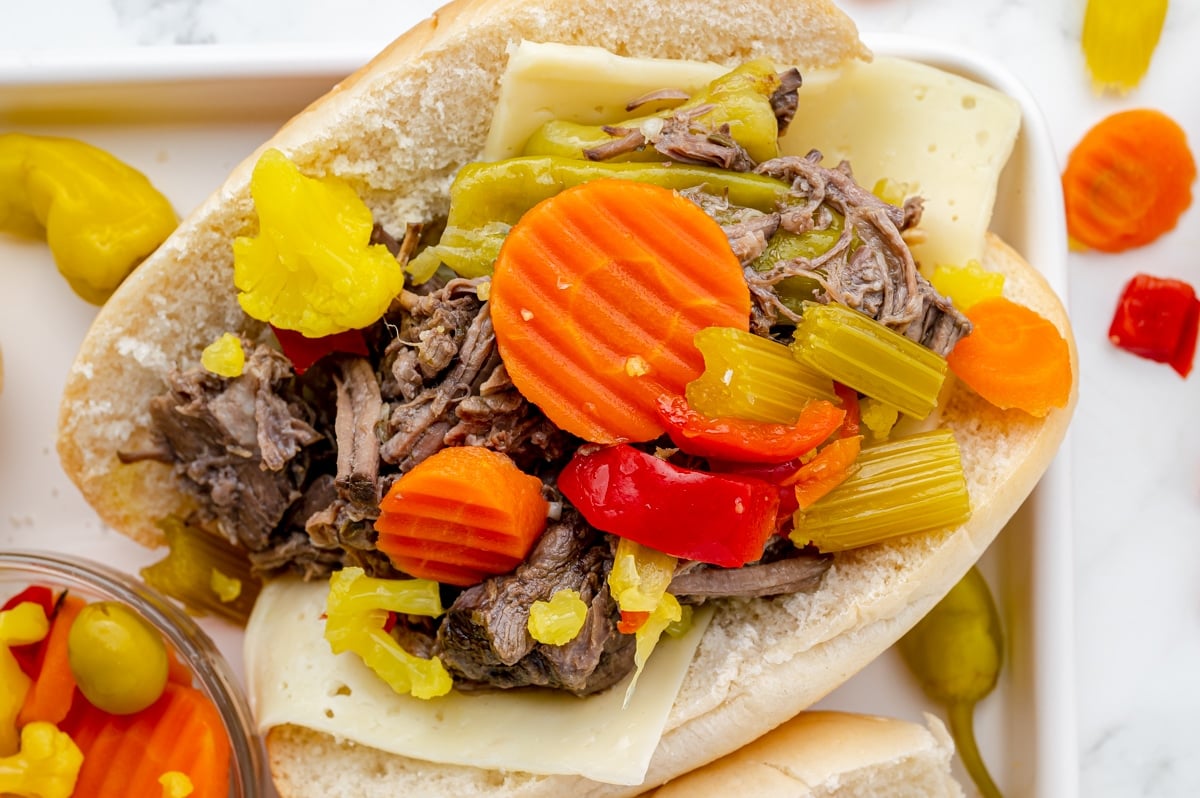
<point x="1128" y="181"/>
<point x="1014" y="358"/>
<point x="596" y="297"/>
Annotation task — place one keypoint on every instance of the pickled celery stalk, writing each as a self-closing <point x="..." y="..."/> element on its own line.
<point x="906" y="485"/>
<point x="186" y="573"/>
<point x="857" y="351"/>
<point x="748" y="376"/>
<point x="1119" y="38"/>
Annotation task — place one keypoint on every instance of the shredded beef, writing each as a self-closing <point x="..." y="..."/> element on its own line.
<point x="484" y="639"/>
<point x="239" y="443"/>
<point x="797" y="573"/>
<point x="879" y="276"/>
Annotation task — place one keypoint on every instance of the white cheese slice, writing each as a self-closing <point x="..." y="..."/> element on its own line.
<point x="946" y="137"/>
<point x="588" y="85"/>
<point x="293" y="678"/>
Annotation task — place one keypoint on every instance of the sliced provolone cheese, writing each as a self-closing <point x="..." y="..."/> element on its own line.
<point x="947" y="138"/>
<point x="588" y="85"/>
<point x="293" y="678"/>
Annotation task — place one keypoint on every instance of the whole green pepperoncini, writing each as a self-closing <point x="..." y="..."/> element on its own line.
<point x="955" y="652"/>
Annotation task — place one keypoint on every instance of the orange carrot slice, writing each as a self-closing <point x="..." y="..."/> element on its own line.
<point x="1128" y="181"/>
<point x="1014" y="358"/>
<point x="460" y="515"/>
<point x="596" y="297"/>
<point x="50" y="696"/>
<point x="826" y="471"/>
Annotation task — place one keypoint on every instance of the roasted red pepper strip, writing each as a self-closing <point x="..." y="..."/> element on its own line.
<point x="1158" y="319"/>
<point x="695" y="515"/>
<point x="632" y="621"/>
<point x="849" y="397"/>
<point x="774" y="473"/>
<point x="304" y="351"/>
<point x="747" y="441"/>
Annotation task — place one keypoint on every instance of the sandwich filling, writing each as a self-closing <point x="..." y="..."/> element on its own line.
<point x="292" y="467"/>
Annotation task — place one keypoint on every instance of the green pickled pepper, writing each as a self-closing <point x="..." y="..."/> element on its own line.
<point x="740" y="99"/>
<point x="956" y="652"/>
<point x="486" y="199"/>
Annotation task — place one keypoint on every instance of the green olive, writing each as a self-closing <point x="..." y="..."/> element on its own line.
<point x="118" y="659"/>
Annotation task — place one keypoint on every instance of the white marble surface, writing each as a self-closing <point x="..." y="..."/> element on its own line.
<point x="1136" y="440"/>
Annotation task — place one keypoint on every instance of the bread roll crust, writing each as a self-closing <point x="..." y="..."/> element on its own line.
<point x="397" y="130"/>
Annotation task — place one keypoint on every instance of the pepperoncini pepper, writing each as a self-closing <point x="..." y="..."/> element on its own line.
<point x="740" y="99"/>
<point x="24" y="624"/>
<point x="311" y="268"/>
<point x="486" y="199"/>
<point x="356" y="613"/>
<point x="101" y="217"/>
<point x="46" y="767"/>
<point x="955" y="652"/>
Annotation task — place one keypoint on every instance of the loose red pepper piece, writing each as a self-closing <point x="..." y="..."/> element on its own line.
<point x="1158" y="319"/>
<point x="695" y="515"/>
<point x="304" y="351"/>
<point x="746" y="441"/>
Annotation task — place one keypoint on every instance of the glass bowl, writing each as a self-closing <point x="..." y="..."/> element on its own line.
<point x="212" y="674"/>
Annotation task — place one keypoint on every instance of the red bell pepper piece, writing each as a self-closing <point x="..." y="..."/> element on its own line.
<point x="713" y="518"/>
<point x="849" y="397"/>
<point x="1158" y="319"/>
<point x="746" y="441"/>
<point x="304" y="351"/>
<point x="775" y="473"/>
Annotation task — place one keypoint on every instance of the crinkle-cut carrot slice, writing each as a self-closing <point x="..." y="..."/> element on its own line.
<point x="1014" y="358"/>
<point x="1128" y="181"/>
<point x="596" y="297"/>
<point x="461" y="514"/>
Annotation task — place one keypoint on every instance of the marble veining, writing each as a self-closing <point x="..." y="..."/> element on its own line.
<point x="1136" y="438"/>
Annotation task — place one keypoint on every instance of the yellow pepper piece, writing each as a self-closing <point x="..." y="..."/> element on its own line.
<point x="557" y="622"/>
<point x="224" y="356"/>
<point x="101" y="217"/>
<point x="1119" y="39"/>
<point x="176" y="784"/>
<point x="356" y="612"/>
<point x="646" y="638"/>
<point x="640" y="576"/>
<point x="227" y="588"/>
<point x="311" y="268"/>
<point x="966" y="285"/>
<point x="24" y="624"/>
<point x="46" y="767"/>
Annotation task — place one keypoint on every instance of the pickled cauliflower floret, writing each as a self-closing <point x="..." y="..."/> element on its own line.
<point x="311" y="268"/>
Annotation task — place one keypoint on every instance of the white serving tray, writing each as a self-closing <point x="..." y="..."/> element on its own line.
<point x="186" y="116"/>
